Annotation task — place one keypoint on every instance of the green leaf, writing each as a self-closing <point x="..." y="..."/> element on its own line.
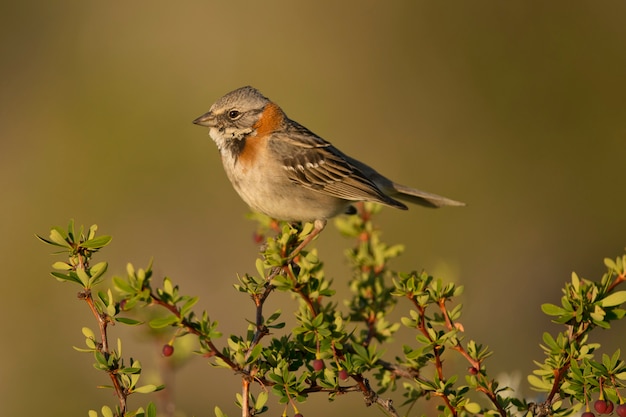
<point x="260" y="267"/>
<point x="87" y="332"/>
<point x="539" y="384"/>
<point x="168" y="288"/>
<point x="122" y="285"/>
<point x="188" y="305"/>
<point x="63" y="277"/>
<point x="614" y="299"/>
<point x="407" y="322"/>
<point x="106" y="411"/>
<point x="145" y="389"/>
<point x="108" y="302"/>
<point x="101" y="359"/>
<point x="255" y="353"/>
<point x="83" y="276"/>
<point x="610" y="264"/>
<point x="261" y="400"/>
<point x="575" y="281"/>
<point x="161" y="322"/>
<point x="318" y="320"/>
<point x="553" y="310"/>
<point x="126" y="320"/>
<point x="82" y="350"/>
<point x="92" y="413"/>
<point x="97" y="270"/>
<point x="151" y="410"/>
<point x="473" y="408"/>
<point x="62" y="266"/>
<point x="550" y="342"/>
<point x="91" y="344"/>
<point x="97" y="243"/>
<point x="131" y="371"/>
<point x="58" y="238"/>
<point x="218" y="412"/>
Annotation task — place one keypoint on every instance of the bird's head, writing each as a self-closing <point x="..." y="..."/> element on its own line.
<point x="236" y="115"/>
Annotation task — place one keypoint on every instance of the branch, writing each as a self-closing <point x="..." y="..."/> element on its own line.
<point x="371" y="397"/>
<point x="103" y="347"/>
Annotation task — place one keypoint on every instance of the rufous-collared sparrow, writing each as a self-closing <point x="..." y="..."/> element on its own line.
<point x="283" y="170"/>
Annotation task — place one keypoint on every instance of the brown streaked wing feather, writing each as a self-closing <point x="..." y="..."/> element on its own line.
<point x="315" y="164"/>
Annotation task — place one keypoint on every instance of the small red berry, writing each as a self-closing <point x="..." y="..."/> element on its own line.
<point x="123" y="304"/>
<point x="587" y="414"/>
<point x="318" y="364"/>
<point x="343" y="375"/>
<point x="600" y="406"/>
<point x="168" y="350"/>
<point x="621" y="410"/>
<point x="609" y="407"/>
<point x="258" y="238"/>
<point x="472" y="370"/>
<point x="297" y="415"/>
<point x="603" y="407"/>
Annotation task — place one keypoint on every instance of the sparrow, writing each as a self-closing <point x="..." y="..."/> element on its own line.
<point x="283" y="170"/>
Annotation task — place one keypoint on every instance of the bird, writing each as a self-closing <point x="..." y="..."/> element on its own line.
<point x="285" y="171"/>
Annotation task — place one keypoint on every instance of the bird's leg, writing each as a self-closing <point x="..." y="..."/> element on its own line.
<point x="318" y="226"/>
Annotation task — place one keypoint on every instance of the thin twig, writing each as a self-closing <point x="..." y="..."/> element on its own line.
<point x="245" y="395"/>
<point x="103" y="347"/>
<point x="371" y="397"/>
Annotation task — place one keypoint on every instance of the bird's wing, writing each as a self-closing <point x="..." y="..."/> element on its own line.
<point x="316" y="164"/>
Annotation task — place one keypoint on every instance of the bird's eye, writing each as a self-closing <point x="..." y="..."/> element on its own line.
<point x="234" y="114"/>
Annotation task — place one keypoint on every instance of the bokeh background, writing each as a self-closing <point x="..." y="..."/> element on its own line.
<point x="516" y="107"/>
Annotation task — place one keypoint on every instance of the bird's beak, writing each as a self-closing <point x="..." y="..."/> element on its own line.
<point x="207" y="119"/>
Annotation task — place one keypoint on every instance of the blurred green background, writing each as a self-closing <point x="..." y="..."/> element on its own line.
<point x="516" y="107"/>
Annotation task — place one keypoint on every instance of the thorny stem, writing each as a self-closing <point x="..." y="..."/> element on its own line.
<point x="409" y="373"/>
<point x="301" y="293"/>
<point x="371" y="397"/>
<point x="261" y="329"/>
<point x="371" y="329"/>
<point x="476" y="364"/>
<point x="436" y="350"/>
<point x="103" y="322"/>
<point x="558" y="376"/>
<point x="492" y="397"/>
<point x="619" y="396"/>
<point x="459" y="348"/>
<point x="245" y="394"/>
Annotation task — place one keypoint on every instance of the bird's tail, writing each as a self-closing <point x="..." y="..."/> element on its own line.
<point x="402" y="192"/>
<point x="422" y="198"/>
